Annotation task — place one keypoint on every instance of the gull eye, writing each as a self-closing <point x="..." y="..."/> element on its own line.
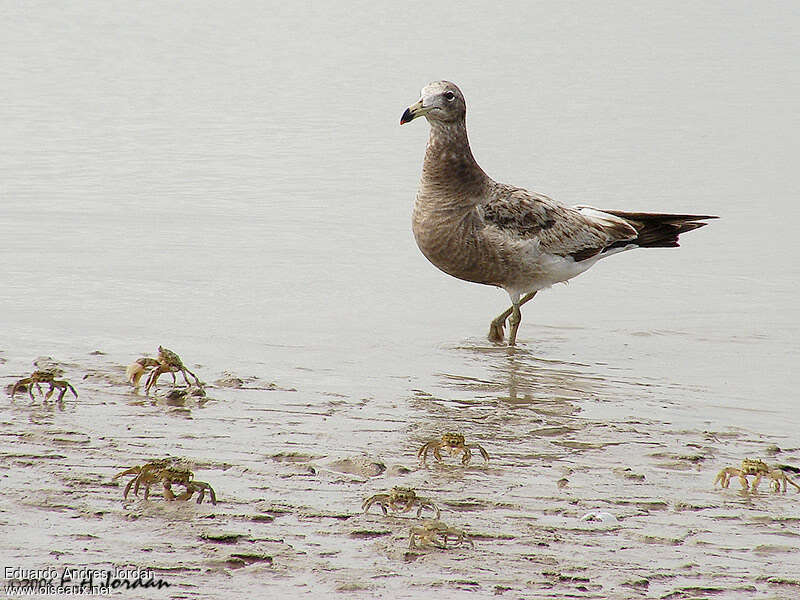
<point x="449" y="96"/>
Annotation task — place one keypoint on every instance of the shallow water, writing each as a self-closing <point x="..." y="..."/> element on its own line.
<point x="231" y="182"/>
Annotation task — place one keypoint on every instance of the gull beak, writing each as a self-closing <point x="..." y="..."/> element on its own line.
<point x="414" y="111"/>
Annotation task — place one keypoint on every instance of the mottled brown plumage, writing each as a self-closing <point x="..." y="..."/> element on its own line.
<point x="478" y="230"/>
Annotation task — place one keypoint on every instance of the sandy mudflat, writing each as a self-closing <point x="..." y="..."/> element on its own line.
<point x="291" y="466"/>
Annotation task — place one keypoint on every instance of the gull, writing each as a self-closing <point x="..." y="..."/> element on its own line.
<point x="479" y="230"/>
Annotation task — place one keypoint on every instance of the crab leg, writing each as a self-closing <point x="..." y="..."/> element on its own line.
<point x="423" y="452"/>
<point x="128" y="487"/>
<point x="483" y="452"/>
<point x="196" y="379"/>
<point x="786" y="479"/>
<point x="70" y="388"/>
<point x="151" y="379"/>
<point x="169" y="494"/>
<point x="130" y="471"/>
<point x="19" y="384"/>
<point x="423" y="504"/>
<point x="187" y="493"/>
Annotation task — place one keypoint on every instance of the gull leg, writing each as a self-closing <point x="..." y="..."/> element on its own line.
<point x="496" y="333"/>
<point x="497" y="326"/>
<point x="514" y="321"/>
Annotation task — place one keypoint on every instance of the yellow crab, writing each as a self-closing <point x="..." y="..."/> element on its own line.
<point x="166" y="471"/>
<point x="455" y="444"/>
<point x="400" y="500"/>
<point x="758" y="468"/>
<point x="167" y="362"/>
<point x="44" y="376"/>
<point x="438" y="534"/>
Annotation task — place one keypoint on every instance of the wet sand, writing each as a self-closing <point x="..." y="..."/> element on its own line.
<point x="291" y="466"/>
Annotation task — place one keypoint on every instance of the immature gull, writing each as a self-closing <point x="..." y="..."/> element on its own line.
<point x="479" y="230"/>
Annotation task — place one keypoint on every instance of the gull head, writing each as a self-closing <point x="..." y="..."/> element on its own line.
<point x="439" y="101"/>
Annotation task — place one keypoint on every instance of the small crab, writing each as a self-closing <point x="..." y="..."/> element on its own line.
<point x="167" y="362"/>
<point x="47" y="376"/>
<point x="166" y="471"/>
<point x="400" y="500"/>
<point x="750" y="466"/>
<point x="453" y="443"/>
<point x="438" y="534"/>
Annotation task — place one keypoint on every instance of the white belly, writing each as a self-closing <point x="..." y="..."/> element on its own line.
<point x="543" y="270"/>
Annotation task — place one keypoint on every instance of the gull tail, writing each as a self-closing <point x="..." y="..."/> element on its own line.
<point x="659" y="230"/>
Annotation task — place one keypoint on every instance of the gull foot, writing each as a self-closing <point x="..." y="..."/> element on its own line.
<point x="497" y="331"/>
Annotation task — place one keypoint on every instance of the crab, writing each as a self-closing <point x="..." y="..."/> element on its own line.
<point x="438" y="534"/>
<point x="400" y="500"/>
<point x="167" y="362"/>
<point x="750" y="466"/>
<point x="455" y="444"/>
<point x="166" y="471"/>
<point x="47" y="376"/>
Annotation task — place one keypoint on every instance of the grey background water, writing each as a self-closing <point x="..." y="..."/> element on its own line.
<point x="230" y="180"/>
